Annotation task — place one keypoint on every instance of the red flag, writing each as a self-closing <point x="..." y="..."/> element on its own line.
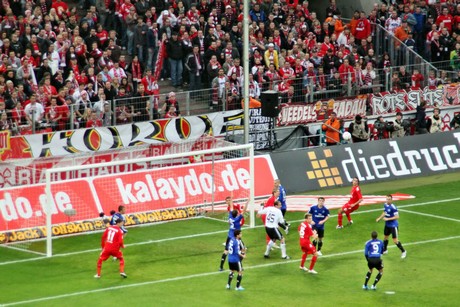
<point x="160" y="59"/>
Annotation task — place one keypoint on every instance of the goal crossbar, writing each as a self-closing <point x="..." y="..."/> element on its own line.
<point x="249" y="148"/>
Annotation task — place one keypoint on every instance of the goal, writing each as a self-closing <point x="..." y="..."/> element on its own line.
<point x="186" y="182"/>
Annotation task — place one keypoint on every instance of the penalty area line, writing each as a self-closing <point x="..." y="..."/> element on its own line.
<point x="431" y="215"/>
<point x="439" y="201"/>
<point x="205" y="274"/>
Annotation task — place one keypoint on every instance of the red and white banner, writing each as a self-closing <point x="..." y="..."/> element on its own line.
<point x="391" y="102"/>
<point x="143" y="191"/>
<point x="303" y="114"/>
<point x="90" y="140"/>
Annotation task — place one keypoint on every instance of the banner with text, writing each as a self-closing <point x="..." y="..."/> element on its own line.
<point x="390" y="102"/>
<point x="322" y="167"/>
<point x="160" y="131"/>
<point x="141" y="191"/>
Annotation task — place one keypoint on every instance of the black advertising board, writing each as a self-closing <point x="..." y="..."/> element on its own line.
<point x="383" y="160"/>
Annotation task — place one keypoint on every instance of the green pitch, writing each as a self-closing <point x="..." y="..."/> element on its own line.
<point x="176" y="264"/>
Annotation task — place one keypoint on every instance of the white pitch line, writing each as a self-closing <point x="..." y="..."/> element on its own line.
<point x="215" y="232"/>
<point x="152" y="282"/>
<point x="431" y="215"/>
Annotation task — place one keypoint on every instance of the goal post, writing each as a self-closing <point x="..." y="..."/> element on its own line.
<point x="167" y="187"/>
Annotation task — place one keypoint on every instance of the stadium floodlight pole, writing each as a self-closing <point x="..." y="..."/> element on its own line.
<point x="252" y="222"/>
<point x="246" y="69"/>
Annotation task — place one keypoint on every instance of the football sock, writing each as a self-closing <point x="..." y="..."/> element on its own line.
<point x="230" y="277"/>
<point x="312" y="262"/>
<point x="385" y="245"/>
<point x="238" y="280"/>
<point x="339" y="219"/>
<point x="399" y="245"/>
<point x="269" y="247"/>
<point x="348" y="216"/>
<point x="99" y="267"/>
<point x="122" y="264"/>
<point x="315" y="243"/>
<point x="320" y="245"/>
<point x="283" y="249"/>
<point x="282" y="226"/>
<point x="377" y="278"/>
<point x="368" y="275"/>
<point x="222" y="260"/>
<point x="304" y="258"/>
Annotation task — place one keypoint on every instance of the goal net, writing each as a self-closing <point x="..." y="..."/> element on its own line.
<point x="184" y="183"/>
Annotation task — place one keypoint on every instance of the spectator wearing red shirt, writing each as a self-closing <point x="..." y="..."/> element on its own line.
<point x="363" y="28"/>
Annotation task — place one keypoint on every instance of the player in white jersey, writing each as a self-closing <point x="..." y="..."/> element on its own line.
<point x="274" y="217"/>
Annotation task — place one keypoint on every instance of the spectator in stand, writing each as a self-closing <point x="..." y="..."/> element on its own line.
<point x="393" y="22"/>
<point x="417" y="79"/>
<point x="363" y="28"/>
<point x="93" y="120"/>
<point x="176" y="52"/>
<point x="446" y="19"/>
<point x="34" y="112"/>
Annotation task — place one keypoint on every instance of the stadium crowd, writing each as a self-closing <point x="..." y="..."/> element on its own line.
<point x="61" y="64"/>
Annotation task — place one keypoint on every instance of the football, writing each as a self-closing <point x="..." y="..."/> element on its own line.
<point x="346" y="136"/>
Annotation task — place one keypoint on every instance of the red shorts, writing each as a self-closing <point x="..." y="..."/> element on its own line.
<point x="348" y="209"/>
<point x="309" y="249"/>
<point x="105" y="254"/>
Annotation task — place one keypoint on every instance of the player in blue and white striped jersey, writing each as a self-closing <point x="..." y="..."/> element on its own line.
<point x="373" y="252"/>
<point x="390" y="215"/>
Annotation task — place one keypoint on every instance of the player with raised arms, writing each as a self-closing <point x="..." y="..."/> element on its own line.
<point x="352" y="205"/>
<point x="235" y="222"/>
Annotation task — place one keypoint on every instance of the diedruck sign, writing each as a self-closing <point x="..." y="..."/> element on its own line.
<point x="322" y="167"/>
<point x="149" y="195"/>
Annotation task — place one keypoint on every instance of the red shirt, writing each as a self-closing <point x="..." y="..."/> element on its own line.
<point x="355" y="195"/>
<point x="112" y="239"/>
<point x="305" y="232"/>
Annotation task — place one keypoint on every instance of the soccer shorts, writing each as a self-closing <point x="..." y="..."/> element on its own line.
<point x="391" y="230"/>
<point x="309" y="249"/>
<point x="105" y="254"/>
<point x="273" y="233"/>
<point x="375" y="263"/>
<point x="235" y="266"/>
<point x="348" y="209"/>
<point x="319" y="231"/>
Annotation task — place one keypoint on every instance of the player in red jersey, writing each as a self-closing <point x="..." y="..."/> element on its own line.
<point x="305" y="232"/>
<point x="112" y="241"/>
<point x="352" y="205"/>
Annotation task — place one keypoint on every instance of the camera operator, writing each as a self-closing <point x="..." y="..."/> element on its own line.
<point x="434" y="122"/>
<point x="380" y="129"/>
<point x="455" y="122"/>
<point x="398" y="127"/>
<point x="359" y="129"/>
